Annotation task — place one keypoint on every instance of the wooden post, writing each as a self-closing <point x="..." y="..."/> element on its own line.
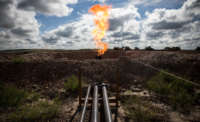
<point x="80" y="86"/>
<point x="117" y="102"/>
<point x="117" y="91"/>
<point x="117" y="87"/>
<point x="117" y="97"/>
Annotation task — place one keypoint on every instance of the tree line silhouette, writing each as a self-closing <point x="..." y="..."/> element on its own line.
<point x="149" y="48"/>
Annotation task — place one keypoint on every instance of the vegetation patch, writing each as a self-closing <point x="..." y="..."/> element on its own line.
<point x="33" y="97"/>
<point x="41" y="110"/>
<point x="18" y="60"/>
<point x="71" y="84"/>
<point x="11" y="96"/>
<point x="197" y="49"/>
<point x="149" y="48"/>
<point x="140" y="111"/>
<point x="19" y="105"/>
<point x="179" y="94"/>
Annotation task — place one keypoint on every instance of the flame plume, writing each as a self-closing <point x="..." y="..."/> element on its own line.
<point x="101" y="21"/>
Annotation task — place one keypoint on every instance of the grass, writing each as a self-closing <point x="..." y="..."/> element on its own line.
<point x="21" y="105"/>
<point x="179" y="94"/>
<point x="139" y="111"/>
<point x="18" y="60"/>
<point x="33" y="96"/>
<point x="71" y="84"/>
<point x="11" y="96"/>
<point x="41" y="110"/>
<point x="25" y="106"/>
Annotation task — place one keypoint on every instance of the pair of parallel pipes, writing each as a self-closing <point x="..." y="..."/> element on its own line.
<point x="107" y="112"/>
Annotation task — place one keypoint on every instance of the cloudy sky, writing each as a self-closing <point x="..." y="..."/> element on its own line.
<point x="66" y="24"/>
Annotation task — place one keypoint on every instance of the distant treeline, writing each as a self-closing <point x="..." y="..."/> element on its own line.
<point x="149" y="48"/>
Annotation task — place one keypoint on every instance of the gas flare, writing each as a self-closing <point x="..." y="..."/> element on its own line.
<point x="101" y="21"/>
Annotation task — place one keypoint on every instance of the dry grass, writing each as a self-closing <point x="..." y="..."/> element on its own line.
<point x="179" y="94"/>
<point x="140" y="111"/>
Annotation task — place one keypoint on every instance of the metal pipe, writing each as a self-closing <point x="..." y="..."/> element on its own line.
<point x="80" y="86"/>
<point x="95" y="105"/>
<point x="106" y="104"/>
<point x="85" y="104"/>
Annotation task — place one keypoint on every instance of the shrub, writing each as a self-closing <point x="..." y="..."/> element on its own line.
<point x="33" y="96"/>
<point x="127" y="48"/>
<point x="137" y="48"/>
<point x="116" y="48"/>
<point x="42" y="110"/>
<point x="197" y="49"/>
<point x="139" y="111"/>
<point x="172" y="48"/>
<point x="179" y="93"/>
<point x="18" y="60"/>
<point x="181" y="101"/>
<point x="11" y="96"/>
<point x="71" y="84"/>
<point x="159" y="87"/>
<point x="149" y="48"/>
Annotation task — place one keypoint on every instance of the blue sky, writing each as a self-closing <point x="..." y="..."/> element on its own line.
<point x="66" y="24"/>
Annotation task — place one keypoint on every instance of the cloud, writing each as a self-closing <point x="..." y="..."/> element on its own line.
<point x="161" y="27"/>
<point x="145" y="2"/>
<point x="6" y="19"/>
<point x="19" y="27"/>
<point x="51" y="7"/>
<point x="115" y="24"/>
<point x="175" y="26"/>
<point x="79" y="32"/>
<point x="126" y="35"/>
<point x="51" y="39"/>
<point x="21" y="32"/>
<point x="154" y="35"/>
<point x="72" y="35"/>
<point x="67" y="32"/>
<point x="119" y="16"/>
<point x="167" y="25"/>
<point x="15" y="22"/>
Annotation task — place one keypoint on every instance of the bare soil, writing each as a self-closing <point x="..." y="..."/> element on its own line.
<point x="46" y="70"/>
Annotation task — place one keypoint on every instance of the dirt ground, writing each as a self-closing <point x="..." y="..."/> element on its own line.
<point x="45" y="71"/>
<point x="183" y="63"/>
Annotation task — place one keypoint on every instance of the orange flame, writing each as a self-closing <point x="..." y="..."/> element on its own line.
<point x="101" y="21"/>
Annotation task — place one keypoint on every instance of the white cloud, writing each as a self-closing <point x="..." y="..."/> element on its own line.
<point x="80" y="31"/>
<point x="48" y="7"/>
<point x="16" y="26"/>
<point x="160" y="28"/>
<point x="72" y="35"/>
<point x="176" y="27"/>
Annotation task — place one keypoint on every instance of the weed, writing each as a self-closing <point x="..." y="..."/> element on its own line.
<point x="27" y="106"/>
<point x="11" y="96"/>
<point x="42" y="110"/>
<point x="71" y="84"/>
<point x="33" y="96"/>
<point x="18" y="60"/>
<point x="179" y="93"/>
<point x="138" y="111"/>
